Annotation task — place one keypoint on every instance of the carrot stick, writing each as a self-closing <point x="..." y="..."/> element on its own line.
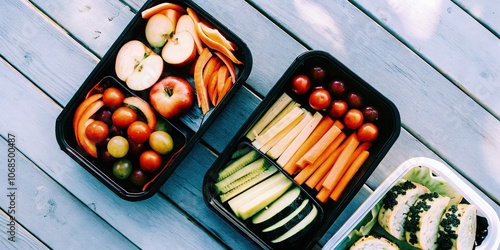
<point x="201" y="90"/>
<point x="323" y="194"/>
<point x="309" y="170"/>
<point x="319" y="147"/>
<point x="339" y="124"/>
<point x="320" y="173"/>
<point x="319" y="185"/>
<point x="353" y="168"/>
<point x="364" y="146"/>
<point x="340" y="165"/>
<point x="325" y="123"/>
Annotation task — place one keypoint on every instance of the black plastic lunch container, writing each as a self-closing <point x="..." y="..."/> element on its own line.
<point x="187" y="129"/>
<point x="389" y="129"/>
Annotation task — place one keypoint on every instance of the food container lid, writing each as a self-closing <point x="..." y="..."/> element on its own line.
<point x="438" y="170"/>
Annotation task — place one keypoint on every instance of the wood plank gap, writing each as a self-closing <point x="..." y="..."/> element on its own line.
<point x="131" y="7"/>
<point x="216" y="237"/>
<point x="486" y="26"/>
<point x="278" y="24"/>
<point x="23" y="231"/>
<point x="14" y="68"/>
<point x="22" y="154"/>
<point x="36" y="8"/>
<point x="425" y="59"/>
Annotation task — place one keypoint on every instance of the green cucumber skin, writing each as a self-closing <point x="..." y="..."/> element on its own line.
<point x="240" y="152"/>
<point x="275" y="233"/>
<point x="253" y="169"/>
<point x="292" y="239"/>
<point x="281" y="214"/>
<point x="238" y="164"/>
<point x="243" y="187"/>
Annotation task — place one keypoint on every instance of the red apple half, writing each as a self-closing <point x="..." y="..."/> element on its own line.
<point x="137" y="65"/>
<point x="180" y="49"/>
<point x="172" y="96"/>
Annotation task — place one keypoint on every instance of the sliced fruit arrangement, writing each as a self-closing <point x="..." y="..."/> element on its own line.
<point x="122" y="133"/>
<point x="320" y="140"/>
<point x="185" y="40"/>
<point x="264" y="198"/>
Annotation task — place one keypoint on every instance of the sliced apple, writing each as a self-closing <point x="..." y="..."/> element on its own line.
<point x="137" y="65"/>
<point x="147" y="13"/>
<point x="81" y="108"/>
<point x="186" y="22"/>
<point x="83" y="140"/>
<point x="158" y="30"/>
<point x="180" y="49"/>
<point x="173" y="15"/>
<point x="144" y="107"/>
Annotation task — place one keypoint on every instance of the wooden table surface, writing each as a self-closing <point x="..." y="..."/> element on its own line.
<point x="438" y="61"/>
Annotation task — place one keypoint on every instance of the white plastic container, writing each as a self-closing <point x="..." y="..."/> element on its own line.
<point x="491" y="241"/>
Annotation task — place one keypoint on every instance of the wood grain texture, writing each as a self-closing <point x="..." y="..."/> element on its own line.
<point x="486" y="12"/>
<point x="432" y="109"/>
<point x="448" y="39"/>
<point x="52" y="213"/>
<point x="148" y="224"/>
<point x="22" y="239"/>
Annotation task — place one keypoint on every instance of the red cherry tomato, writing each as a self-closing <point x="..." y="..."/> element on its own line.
<point x="319" y="99"/>
<point x="97" y="131"/>
<point x="112" y="97"/>
<point x="367" y="132"/>
<point x="123" y="117"/>
<point x="150" y="161"/>
<point x="138" y="132"/>
<point x="301" y="84"/>
<point x="337" y="109"/>
<point x="353" y="119"/>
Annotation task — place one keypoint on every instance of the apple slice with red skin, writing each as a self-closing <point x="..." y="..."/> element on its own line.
<point x="159" y="29"/>
<point x="81" y="108"/>
<point x="186" y="22"/>
<point x="173" y="15"/>
<point x="172" y="96"/>
<point x="144" y="107"/>
<point x="147" y="13"/>
<point x="83" y="140"/>
<point x="138" y="65"/>
<point x="180" y="49"/>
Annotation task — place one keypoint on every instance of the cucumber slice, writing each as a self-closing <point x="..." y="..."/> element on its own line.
<point x="238" y="164"/>
<point x="279" y="209"/>
<point x="290" y="216"/>
<point x="255" y="191"/>
<point x="263" y="199"/>
<point x="299" y="229"/>
<point x="249" y="183"/>
<point x="282" y="229"/>
<point x="240" y="152"/>
<point x="249" y="171"/>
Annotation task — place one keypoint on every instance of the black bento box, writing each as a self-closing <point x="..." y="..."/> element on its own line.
<point x="389" y="129"/>
<point x="186" y="129"/>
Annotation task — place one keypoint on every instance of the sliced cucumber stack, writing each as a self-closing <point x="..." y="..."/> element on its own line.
<point x="283" y="206"/>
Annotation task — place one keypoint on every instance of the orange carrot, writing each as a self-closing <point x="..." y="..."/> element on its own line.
<point x="362" y="147"/>
<point x="319" y="147"/>
<point x="317" y="178"/>
<point x="229" y="65"/>
<point x="225" y="89"/>
<point x="201" y="90"/>
<point x="212" y="65"/>
<point x="325" y="123"/>
<point x="212" y="87"/>
<point x="353" y="168"/>
<point x="339" y="124"/>
<point x="213" y="44"/>
<point x="340" y="165"/>
<point x="309" y="170"/>
<point x="323" y="194"/>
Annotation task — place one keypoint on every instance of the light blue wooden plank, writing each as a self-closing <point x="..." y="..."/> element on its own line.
<point x="153" y="223"/>
<point x="432" y="109"/>
<point x="20" y="238"/>
<point x="44" y="207"/>
<point x="485" y="11"/>
<point x="104" y="20"/>
<point x="448" y="39"/>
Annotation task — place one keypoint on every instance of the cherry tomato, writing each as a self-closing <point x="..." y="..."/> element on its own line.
<point x="319" y="99"/>
<point x="112" y="97"/>
<point x="123" y="117"/>
<point x="337" y="109"/>
<point x="97" y="131"/>
<point x="150" y="161"/>
<point x="161" y="142"/>
<point x="367" y="132"/>
<point x="122" y="169"/>
<point x="301" y="84"/>
<point x="138" y="132"/>
<point x="353" y="119"/>
<point x="118" y="146"/>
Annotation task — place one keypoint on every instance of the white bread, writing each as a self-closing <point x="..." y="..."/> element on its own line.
<point x="373" y="243"/>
